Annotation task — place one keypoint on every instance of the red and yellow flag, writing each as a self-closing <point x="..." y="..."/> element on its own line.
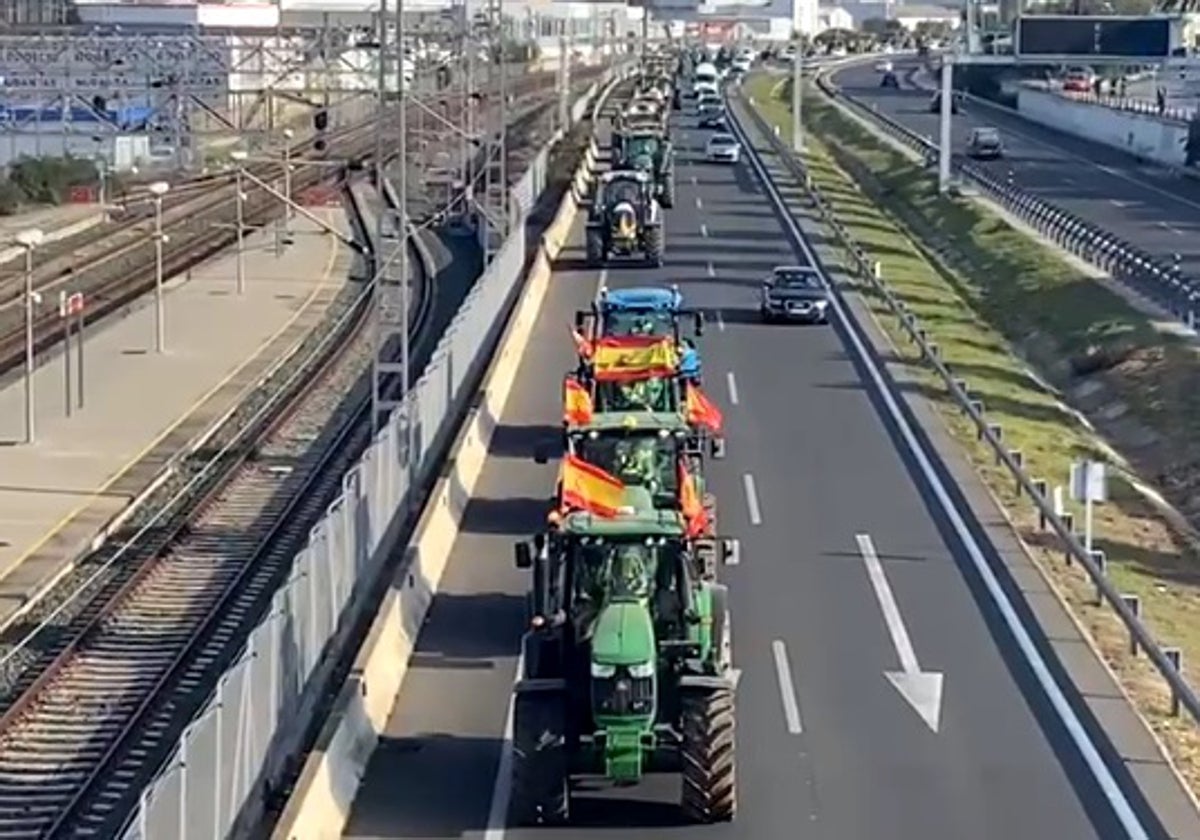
<point x="582" y="346"/>
<point x="587" y="487"/>
<point x="629" y="358"/>
<point x="698" y="522"/>
<point x="701" y="411"/>
<point x="577" y="403"/>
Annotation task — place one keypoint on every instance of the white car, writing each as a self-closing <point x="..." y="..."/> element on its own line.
<point x="723" y="148"/>
<point x="884" y="67"/>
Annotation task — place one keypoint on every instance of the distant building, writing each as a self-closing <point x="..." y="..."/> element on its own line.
<point x="833" y="17"/>
<point x="909" y="15"/>
<point x="44" y="12"/>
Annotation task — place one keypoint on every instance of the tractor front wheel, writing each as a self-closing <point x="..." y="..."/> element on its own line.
<point x="654" y="245"/>
<point x="708" y="756"/>
<point x="540" y="782"/>
<point x="668" y="191"/>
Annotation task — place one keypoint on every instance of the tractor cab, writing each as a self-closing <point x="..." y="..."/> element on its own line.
<point x="626" y="643"/>
<point x="645" y="311"/>
<point x="624" y="218"/>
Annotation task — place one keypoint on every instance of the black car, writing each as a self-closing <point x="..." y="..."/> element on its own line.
<point x="889" y="80"/>
<point x="935" y="104"/>
<point x="712" y="115"/>
<point x="794" y="293"/>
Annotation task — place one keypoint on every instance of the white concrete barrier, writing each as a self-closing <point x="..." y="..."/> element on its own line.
<point x="321" y="801"/>
<point x="1148" y="136"/>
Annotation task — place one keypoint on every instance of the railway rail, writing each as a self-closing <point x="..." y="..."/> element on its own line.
<point x="115" y="263"/>
<point x="98" y="693"/>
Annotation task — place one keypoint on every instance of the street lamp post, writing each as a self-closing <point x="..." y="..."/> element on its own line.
<point x="239" y="159"/>
<point x="29" y="240"/>
<point x="288" y="134"/>
<point x="159" y="189"/>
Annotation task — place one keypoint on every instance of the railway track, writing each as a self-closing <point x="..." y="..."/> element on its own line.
<point x="115" y="264"/>
<point x="98" y="694"/>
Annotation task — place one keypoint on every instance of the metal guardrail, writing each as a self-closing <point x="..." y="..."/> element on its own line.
<point x="1165" y="283"/>
<point x="1128" y="104"/>
<point x="1168" y="661"/>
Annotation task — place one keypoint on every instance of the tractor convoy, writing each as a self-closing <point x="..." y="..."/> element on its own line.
<point x="626" y="662"/>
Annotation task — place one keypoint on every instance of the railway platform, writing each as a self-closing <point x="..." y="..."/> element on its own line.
<point x="54" y="222"/>
<point x="59" y="495"/>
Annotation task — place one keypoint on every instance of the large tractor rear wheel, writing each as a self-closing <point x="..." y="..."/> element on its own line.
<point x="668" y="190"/>
<point x="540" y="782"/>
<point x="708" y="756"/>
<point x="654" y="245"/>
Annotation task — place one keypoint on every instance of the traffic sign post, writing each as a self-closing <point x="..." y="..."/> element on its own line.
<point x="1089" y="484"/>
<point x="70" y="308"/>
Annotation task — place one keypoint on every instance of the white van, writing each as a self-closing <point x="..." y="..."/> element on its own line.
<point x="705" y="78"/>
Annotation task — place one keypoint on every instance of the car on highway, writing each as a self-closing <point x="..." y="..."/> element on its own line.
<point x="794" y="293"/>
<point x="985" y="144"/>
<point x="707" y="98"/>
<point x="884" y="67"/>
<point x="723" y="148"/>
<point x="712" y="115"/>
<point x="1079" y="80"/>
<point x="890" y="80"/>
<point x="935" y="104"/>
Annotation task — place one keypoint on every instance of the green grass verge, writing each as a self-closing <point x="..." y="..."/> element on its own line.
<point x="992" y="296"/>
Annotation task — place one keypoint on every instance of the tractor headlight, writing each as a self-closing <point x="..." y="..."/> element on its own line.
<point x="603" y="672"/>
<point x="643" y="671"/>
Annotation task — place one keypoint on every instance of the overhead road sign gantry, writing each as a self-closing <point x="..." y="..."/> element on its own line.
<point x="1079" y="37"/>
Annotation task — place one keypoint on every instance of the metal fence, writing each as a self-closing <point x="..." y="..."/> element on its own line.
<point x="1161" y="280"/>
<point x="1167" y="661"/>
<point x="242" y="744"/>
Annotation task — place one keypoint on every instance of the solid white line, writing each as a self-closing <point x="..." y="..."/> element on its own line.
<point x="787" y="689"/>
<point x="502" y="787"/>
<point x="752" y="499"/>
<point x="704" y="230"/>
<point x="712" y="271"/>
<point x="1079" y="735"/>
<point x="887" y="604"/>
<point x="733" y="394"/>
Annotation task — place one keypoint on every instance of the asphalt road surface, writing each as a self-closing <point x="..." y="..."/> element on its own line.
<point x="828" y="747"/>
<point x="1149" y="207"/>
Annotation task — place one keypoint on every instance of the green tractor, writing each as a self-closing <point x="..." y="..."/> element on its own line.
<point x="624" y="218"/>
<point x="648" y="150"/>
<point x="626" y="667"/>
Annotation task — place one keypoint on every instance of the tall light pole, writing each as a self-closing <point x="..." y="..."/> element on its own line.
<point x="288" y="134"/>
<point x="798" y="98"/>
<point x="239" y="160"/>
<point x="159" y="189"/>
<point x="29" y="240"/>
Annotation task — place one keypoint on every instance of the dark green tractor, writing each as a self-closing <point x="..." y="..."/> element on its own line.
<point x="626" y="667"/>
<point x="648" y="150"/>
<point x="624" y="218"/>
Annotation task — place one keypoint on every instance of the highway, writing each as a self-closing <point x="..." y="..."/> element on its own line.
<point x="838" y="530"/>
<point x="1147" y="206"/>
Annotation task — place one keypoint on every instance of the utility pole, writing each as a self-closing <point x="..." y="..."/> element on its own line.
<point x="798" y="98"/>
<point x="947" y="104"/>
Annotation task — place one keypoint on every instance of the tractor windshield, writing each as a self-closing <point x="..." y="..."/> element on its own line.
<point x="657" y="395"/>
<point x="631" y="322"/>
<point x="642" y="460"/>
<point x="623" y="569"/>
<point x="639" y="147"/>
<point x="623" y="191"/>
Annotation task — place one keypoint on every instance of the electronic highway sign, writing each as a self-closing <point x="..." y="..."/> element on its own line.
<point x="1109" y="36"/>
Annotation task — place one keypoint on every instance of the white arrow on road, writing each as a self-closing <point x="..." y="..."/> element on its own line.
<point x="922" y="689"/>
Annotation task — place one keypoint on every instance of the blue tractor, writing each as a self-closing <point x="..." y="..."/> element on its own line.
<point x="649" y="311"/>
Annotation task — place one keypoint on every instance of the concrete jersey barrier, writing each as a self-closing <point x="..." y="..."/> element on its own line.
<point x="324" y="794"/>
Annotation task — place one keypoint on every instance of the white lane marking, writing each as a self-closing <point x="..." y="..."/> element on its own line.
<point x="787" y="689"/>
<point x="693" y="180"/>
<point x="752" y="499"/>
<point x="1171" y="228"/>
<point x="1116" y="202"/>
<point x="733" y="394"/>
<point x="720" y="321"/>
<point x="699" y="203"/>
<point x="704" y="230"/>
<point x="1075" y="729"/>
<point x="921" y="689"/>
<point x="601" y="282"/>
<point x="497" y="819"/>
<point x="712" y="271"/>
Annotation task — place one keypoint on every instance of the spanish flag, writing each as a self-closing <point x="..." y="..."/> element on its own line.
<point x="698" y="522"/>
<point x="701" y="411"/>
<point x="587" y="487"/>
<point x="582" y="346"/>
<point x="577" y="403"/>
<point x="630" y="358"/>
